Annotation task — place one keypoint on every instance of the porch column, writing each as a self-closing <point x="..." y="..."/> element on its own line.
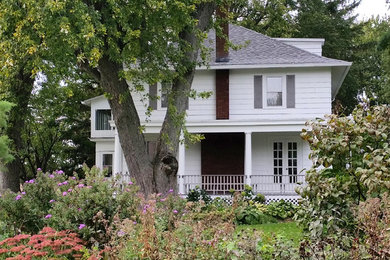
<point x="118" y="154"/>
<point x="248" y="157"/>
<point x="182" y="165"/>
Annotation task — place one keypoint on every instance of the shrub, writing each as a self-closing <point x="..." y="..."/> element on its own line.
<point x="48" y="243"/>
<point x="87" y="206"/>
<point x="198" y="194"/>
<point x="281" y="209"/>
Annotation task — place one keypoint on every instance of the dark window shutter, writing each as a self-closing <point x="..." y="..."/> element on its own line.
<point x="153" y="96"/>
<point x="258" y="91"/>
<point x="290" y="91"/>
<point x="222" y="94"/>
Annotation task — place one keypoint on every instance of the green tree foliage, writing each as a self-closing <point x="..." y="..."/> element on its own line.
<point x="351" y="157"/>
<point x="57" y="131"/>
<point x="271" y="17"/>
<point x="5" y="154"/>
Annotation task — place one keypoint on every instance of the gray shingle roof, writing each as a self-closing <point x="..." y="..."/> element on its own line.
<point x="263" y="50"/>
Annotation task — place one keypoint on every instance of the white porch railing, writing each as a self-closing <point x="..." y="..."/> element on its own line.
<point x="223" y="184"/>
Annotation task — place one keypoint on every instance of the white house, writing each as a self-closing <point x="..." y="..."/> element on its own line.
<point x="262" y="95"/>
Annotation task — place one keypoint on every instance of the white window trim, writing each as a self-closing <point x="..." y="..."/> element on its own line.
<point x="285" y="140"/>
<point x="284" y="91"/>
<point x="101" y="158"/>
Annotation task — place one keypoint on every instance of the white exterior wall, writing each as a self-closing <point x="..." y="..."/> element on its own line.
<point x="103" y="147"/>
<point x="100" y="103"/>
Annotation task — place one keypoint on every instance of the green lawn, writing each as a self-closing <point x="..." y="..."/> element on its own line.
<point x="288" y="230"/>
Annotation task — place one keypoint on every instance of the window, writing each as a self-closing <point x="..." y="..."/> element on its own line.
<point x="103" y="117"/>
<point x="107" y="163"/>
<point x="274" y="91"/>
<point x="274" y="94"/>
<point x="165" y="88"/>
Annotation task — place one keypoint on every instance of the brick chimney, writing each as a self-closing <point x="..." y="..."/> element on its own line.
<point x="221" y="49"/>
<point x="222" y="76"/>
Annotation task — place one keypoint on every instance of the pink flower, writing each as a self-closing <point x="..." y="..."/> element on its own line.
<point x="70" y="190"/>
<point x="39" y="169"/>
<point x="51" y="201"/>
<point x="51" y="176"/>
<point x="18" y="197"/>
<point x="79" y="209"/>
<point x="175" y="211"/>
<point x="65" y="183"/>
<point x="162" y="200"/>
<point x="82" y="226"/>
<point x="170" y="191"/>
<point x="73" y="178"/>
<point x="31" y="181"/>
<point x="80" y="185"/>
<point x="64" y="193"/>
<point x="60" y="184"/>
<point x="23" y="193"/>
<point x="48" y="216"/>
<point x="60" y="172"/>
<point x="134" y="222"/>
<point x="130" y="183"/>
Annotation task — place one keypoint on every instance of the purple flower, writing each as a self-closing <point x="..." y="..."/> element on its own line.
<point x="60" y="184"/>
<point x="64" y="193"/>
<point x="26" y="182"/>
<point x="89" y="187"/>
<point x="121" y="233"/>
<point x="162" y="200"/>
<point x="48" y="216"/>
<point x="134" y="222"/>
<point x="70" y="190"/>
<point x="31" y="181"/>
<point x="175" y="211"/>
<point x="73" y="178"/>
<point x="130" y="183"/>
<point x="82" y="226"/>
<point x="65" y="183"/>
<point x="51" y="176"/>
<point x="18" y="197"/>
<point x="60" y="172"/>
<point x="23" y="193"/>
<point x="39" y="169"/>
<point x="79" y="209"/>
<point x="51" y="201"/>
<point x="170" y="191"/>
<point x="80" y="185"/>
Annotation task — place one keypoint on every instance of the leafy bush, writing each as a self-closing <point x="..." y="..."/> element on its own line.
<point x="198" y="194"/>
<point x="87" y="206"/>
<point x="48" y="243"/>
<point x="281" y="209"/>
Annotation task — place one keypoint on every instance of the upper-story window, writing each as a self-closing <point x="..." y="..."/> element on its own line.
<point x="274" y="91"/>
<point x="103" y="117"/>
<point x="160" y="102"/>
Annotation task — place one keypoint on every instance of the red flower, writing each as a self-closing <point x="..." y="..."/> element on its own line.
<point x="3" y="250"/>
<point x="64" y="252"/>
<point x="17" y="248"/>
<point x="40" y="254"/>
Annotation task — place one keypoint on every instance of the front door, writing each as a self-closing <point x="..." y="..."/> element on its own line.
<point x="285" y="161"/>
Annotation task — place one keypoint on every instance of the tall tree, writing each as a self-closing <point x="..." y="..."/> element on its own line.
<point x="271" y="17"/>
<point x="116" y="42"/>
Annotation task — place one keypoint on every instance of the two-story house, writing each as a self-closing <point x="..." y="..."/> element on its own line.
<point x="262" y="95"/>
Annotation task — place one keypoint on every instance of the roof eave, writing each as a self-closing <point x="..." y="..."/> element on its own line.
<point x="264" y="66"/>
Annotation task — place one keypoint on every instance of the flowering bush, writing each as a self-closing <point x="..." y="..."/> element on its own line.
<point x="48" y="243"/>
<point x="87" y="206"/>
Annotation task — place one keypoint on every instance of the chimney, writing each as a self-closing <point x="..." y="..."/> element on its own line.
<point x="221" y="49"/>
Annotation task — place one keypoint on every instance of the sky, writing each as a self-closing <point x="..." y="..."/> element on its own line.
<point x="368" y="8"/>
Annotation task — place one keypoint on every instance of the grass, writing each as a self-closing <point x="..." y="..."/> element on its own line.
<point x="288" y="230"/>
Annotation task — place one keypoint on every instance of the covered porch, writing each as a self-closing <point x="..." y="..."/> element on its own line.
<point x="271" y="163"/>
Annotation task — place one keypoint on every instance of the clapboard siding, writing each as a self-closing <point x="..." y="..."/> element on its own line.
<point x="312" y="98"/>
<point x="193" y="159"/>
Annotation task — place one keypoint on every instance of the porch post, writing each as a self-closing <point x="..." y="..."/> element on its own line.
<point x="248" y="157"/>
<point x="182" y="165"/>
<point x="118" y="154"/>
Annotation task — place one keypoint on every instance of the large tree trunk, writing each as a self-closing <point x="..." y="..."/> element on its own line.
<point x="20" y="92"/>
<point x="165" y="163"/>
<point x="159" y="174"/>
